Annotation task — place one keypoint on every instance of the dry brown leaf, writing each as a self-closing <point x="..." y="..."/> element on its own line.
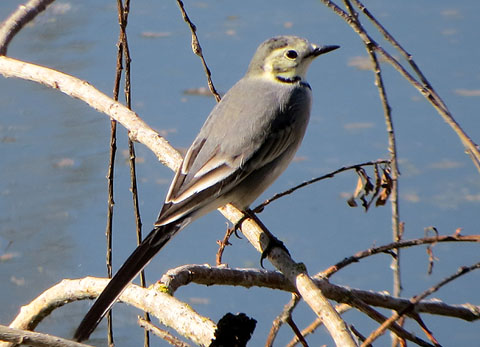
<point x="386" y="185"/>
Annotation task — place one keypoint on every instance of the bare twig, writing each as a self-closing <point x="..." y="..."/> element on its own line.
<point x="380" y="318"/>
<point x="110" y="191"/>
<point x="222" y="244"/>
<point x="416" y="299"/>
<point x="197" y="49"/>
<point x="123" y="10"/>
<point x="260" y="207"/>
<point x="111" y="162"/>
<point x="298" y="333"/>
<point x="358" y="334"/>
<point x="109" y="226"/>
<point x="402" y="244"/>
<point x="163" y="334"/>
<point x="281" y="319"/>
<point x="392" y="147"/>
<point x="425" y="329"/>
<point x="317" y="323"/>
<point x="393" y="41"/>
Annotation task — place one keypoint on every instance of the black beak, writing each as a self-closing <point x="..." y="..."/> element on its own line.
<point x="324" y="49"/>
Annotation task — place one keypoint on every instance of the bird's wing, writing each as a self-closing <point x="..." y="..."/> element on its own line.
<point x="240" y="136"/>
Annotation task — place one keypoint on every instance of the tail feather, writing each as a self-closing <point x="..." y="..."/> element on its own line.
<point x="140" y="257"/>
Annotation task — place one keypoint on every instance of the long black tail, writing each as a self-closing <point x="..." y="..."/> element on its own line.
<point x="140" y="257"/>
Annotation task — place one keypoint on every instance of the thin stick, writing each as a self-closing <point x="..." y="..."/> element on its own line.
<point x="416" y="299"/>
<point x="163" y="334"/>
<point x="197" y="49"/>
<point x="123" y="12"/>
<point x="222" y="244"/>
<point x="260" y="207"/>
<point x="380" y="318"/>
<point x="392" y="40"/>
<point x="392" y="148"/>
<point x="281" y="319"/>
<point x="395" y="245"/>
<point x="297" y="331"/>
<point x="110" y="179"/>
<point x="341" y="308"/>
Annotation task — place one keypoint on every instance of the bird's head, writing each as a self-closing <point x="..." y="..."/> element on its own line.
<point x="285" y="58"/>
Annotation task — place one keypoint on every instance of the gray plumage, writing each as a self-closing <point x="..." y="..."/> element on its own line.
<point x="239" y="141"/>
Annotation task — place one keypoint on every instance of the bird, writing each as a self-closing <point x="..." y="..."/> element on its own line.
<point x="246" y="142"/>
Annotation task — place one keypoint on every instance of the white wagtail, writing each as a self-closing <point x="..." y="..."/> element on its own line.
<point x="247" y="141"/>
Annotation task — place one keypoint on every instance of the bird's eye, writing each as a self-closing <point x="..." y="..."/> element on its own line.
<point x="291" y="54"/>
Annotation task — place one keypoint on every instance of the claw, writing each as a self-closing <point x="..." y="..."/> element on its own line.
<point x="272" y="243"/>
<point x="235" y="231"/>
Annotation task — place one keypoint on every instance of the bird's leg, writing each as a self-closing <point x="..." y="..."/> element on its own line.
<point x="272" y="240"/>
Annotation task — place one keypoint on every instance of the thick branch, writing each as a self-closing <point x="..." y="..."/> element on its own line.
<point x="207" y="275"/>
<point x="170" y="311"/>
<point x="24" y="337"/>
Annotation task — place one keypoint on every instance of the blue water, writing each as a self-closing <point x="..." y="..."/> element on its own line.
<point x="55" y="149"/>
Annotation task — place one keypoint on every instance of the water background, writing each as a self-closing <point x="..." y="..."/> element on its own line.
<point x="54" y="150"/>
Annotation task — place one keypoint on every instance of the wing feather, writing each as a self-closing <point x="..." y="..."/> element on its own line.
<point x="237" y="139"/>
